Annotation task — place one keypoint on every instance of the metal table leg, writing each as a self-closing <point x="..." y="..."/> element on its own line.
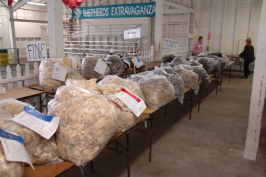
<point x="200" y="89"/>
<point x="230" y="71"/>
<point x="221" y="80"/>
<point x="40" y="97"/>
<point x="128" y="157"/>
<point x="92" y="170"/>
<point x="164" y="110"/>
<point x="191" y="95"/>
<point x="217" y="83"/>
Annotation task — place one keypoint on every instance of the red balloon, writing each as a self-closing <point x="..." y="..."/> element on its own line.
<point x="72" y="4"/>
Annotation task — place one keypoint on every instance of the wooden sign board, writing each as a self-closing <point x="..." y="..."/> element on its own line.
<point x="134" y="33"/>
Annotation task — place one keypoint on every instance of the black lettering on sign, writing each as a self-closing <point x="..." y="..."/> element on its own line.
<point x="36" y="51"/>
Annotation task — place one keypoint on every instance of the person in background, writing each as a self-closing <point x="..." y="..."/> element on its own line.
<point x="198" y="46"/>
<point x="248" y="56"/>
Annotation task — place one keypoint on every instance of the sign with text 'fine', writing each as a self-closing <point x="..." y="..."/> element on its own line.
<point x="169" y="43"/>
<point x="134" y="33"/>
<point x="36" y="50"/>
<point x="115" y="11"/>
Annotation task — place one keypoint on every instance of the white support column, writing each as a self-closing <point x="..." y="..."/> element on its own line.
<point x="258" y="92"/>
<point x="11" y="26"/>
<point x="55" y="25"/>
<point x="159" y="30"/>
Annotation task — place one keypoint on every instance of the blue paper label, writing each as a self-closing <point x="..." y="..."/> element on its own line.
<point x="31" y="111"/>
<point x="10" y="136"/>
<point x="126" y="59"/>
<point x="138" y="58"/>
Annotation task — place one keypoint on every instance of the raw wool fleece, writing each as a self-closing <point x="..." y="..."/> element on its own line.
<point x="211" y="65"/>
<point x="87" y="122"/>
<point x="116" y="64"/>
<point x="179" y="60"/>
<point x="167" y="58"/>
<point x="176" y="81"/>
<point x="40" y="150"/>
<point x="190" y="78"/>
<point x="90" y="85"/>
<point x="111" y="85"/>
<point x="88" y="65"/>
<point x="9" y="169"/>
<point x="46" y="71"/>
<point x="157" y="90"/>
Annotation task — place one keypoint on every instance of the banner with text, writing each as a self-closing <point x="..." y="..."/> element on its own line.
<point x="115" y="11"/>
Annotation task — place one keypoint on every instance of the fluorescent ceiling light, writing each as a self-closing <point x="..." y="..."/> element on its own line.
<point x="36" y="3"/>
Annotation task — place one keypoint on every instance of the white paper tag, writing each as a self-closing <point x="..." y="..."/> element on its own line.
<point x="100" y="67"/>
<point x="59" y="72"/>
<point x="132" y="101"/>
<point x="138" y="62"/>
<point x="126" y="61"/>
<point x="44" y="128"/>
<point x="14" y="150"/>
<point x="2" y="90"/>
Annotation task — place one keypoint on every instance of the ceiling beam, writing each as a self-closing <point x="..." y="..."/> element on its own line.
<point x="174" y="11"/>
<point x="3" y="4"/>
<point x="25" y="20"/>
<point x="178" y="6"/>
<point x="19" y="4"/>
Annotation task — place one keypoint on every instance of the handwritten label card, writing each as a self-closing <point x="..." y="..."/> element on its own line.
<point x="36" y="50"/>
<point x="59" y="72"/>
<point x="138" y="62"/>
<point x="41" y="124"/>
<point x="100" y="67"/>
<point x="14" y="148"/>
<point x="132" y="101"/>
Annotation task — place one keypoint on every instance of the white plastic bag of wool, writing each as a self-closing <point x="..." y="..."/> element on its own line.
<point x="167" y="65"/>
<point x="179" y="60"/>
<point x="222" y="62"/>
<point x="139" y="76"/>
<point x="211" y="65"/>
<point x="144" y="67"/>
<point x="46" y="71"/>
<point x="116" y="64"/>
<point x="157" y="90"/>
<point x="87" y="122"/>
<point x="88" y="65"/>
<point x="111" y="86"/>
<point x="202" y="73"/>
<point x="40" y="150"/>
<point x="90" y="85"/>
<point x="176" y="80"/>
<point x="191" y="79"/>
<point x="8" y="168"/>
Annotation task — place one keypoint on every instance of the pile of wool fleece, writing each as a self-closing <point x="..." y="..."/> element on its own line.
<point x="40" y="150"/>
<point x="157" y="90"/>
<point x="190" y="78"/>
<point x="8" y="168"/>
<point x="112" y="85"/>
<point x="88" y="65"/>
<point x="87" y="122"/>
<point x="46" y="71"/>
<point x="116" y="64"/>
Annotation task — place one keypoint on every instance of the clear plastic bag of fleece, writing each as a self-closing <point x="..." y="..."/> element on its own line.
<point x="40" y="150"/>
<point x="87" y="122"/>
<point x="190" y="78"/>
<point x="111" y="86"/>
<point x="157" y="90"/>
<point x="202" y="73"/>
<point x="88" y="65"/>
<point x="167" y="58"/>
<point x="176" y="81"/>
<point x="8" y="168"/>
<point x="179" y="60"/>
<point x="46" y="71"/>
<point x="116" y="64"/>
<point x="211" y="65"/>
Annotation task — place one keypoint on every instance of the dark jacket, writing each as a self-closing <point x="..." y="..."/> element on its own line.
<point x="248" y="53"/>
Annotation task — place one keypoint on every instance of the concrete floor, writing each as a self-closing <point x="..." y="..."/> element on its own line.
<point x="210" y="145"/>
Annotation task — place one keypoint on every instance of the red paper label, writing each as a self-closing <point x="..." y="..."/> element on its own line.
<point x="130" y="94"/>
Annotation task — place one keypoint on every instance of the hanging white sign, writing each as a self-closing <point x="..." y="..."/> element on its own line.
<point x="169" y="43"/>
<point x="134" y="33"/>
<point x="80" y="33"/>
<point x="36" y="50"/>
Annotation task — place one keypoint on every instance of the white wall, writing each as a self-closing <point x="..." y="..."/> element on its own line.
<point x="229" y="21"/>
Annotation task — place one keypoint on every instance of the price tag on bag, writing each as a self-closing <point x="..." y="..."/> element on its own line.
<point x="59" y="72"/>
<point x="100" y="67"/>
<point x="132" y="101"/>
<point x="138" y="62"/>
<point x="41" y="124"/>
<point x="126" y="61"/>
<point x="2" y="90"/>
<point x="14" y="148"/>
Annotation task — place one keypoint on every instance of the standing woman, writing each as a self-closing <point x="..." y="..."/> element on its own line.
<point x="198" y="46"/>
<point x="248" y="56"/>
